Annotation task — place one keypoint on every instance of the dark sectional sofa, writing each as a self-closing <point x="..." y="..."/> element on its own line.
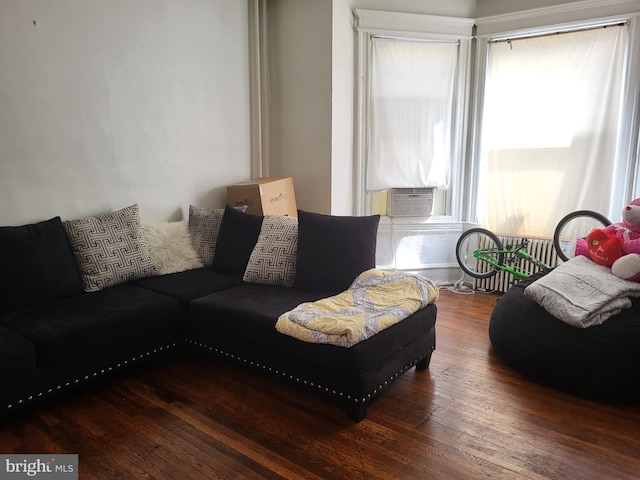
<point x="66" y="319"/>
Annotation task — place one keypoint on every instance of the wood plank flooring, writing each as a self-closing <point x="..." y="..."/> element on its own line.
<point x="467" y="417"/>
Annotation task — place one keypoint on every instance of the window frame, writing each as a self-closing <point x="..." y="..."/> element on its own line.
<point x="627" y="164"/>
<point x="372" y="23"/>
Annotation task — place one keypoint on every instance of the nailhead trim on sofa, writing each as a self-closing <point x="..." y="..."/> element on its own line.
<point x="363" y="400"/>
<point x="223" y="353"/>
<point x="77" y="381"/>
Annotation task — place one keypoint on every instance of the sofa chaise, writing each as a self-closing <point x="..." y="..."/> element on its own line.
<point x="84" y="298"/>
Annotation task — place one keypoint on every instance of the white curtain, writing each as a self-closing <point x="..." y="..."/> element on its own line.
<point x="411" y="102"/>
<point x="550" y="127"/>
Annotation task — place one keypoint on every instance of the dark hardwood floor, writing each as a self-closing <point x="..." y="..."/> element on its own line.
<point x="467" y="417"/>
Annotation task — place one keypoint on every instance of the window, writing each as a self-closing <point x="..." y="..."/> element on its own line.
<point x="412" y="95"/>
<point x="411" y="113"/>
<point x="550" y="128"/>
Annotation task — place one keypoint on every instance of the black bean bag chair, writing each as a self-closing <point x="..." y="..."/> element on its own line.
<point x="600" y="362"/>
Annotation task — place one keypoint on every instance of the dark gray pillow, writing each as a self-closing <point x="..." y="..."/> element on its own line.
<point x="37" y="265"/>
<point x="334" y="250"/>
<point x="238" y="235"/>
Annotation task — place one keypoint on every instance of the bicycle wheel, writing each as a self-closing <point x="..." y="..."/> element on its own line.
<point x="478" y="239"/>
<point x="573" y="226"/>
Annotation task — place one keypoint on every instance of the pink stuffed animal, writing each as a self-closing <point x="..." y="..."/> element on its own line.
<point x="627" y="266"/>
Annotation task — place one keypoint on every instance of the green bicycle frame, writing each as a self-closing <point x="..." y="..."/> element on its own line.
<point x="491" y="256"/>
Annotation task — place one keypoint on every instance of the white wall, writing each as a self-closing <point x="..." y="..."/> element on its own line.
<point x="107" y="103"/>
<point x="487" y="8"/>
<point x="300" y="98"/>
<point x="342" y="113"/>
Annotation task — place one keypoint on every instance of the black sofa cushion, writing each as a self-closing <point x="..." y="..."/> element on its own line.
<point x="599" y="362"/>
<point x="334" y="250"/>
<point x="250" y="312"/>
<point x="17" y="355"/>
<point x="189" y="285"/>
<point x="238" y="235"/>
<point x="37" y="266"/>
<point x="94" y="321"/>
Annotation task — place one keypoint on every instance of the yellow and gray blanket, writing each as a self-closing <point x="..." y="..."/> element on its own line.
<point x="375" y="300"/>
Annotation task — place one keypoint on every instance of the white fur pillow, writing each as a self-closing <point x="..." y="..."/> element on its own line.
<point x="170" y="247"/>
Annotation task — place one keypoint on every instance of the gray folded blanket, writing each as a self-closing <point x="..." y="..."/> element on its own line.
<point x="582" y="293"/>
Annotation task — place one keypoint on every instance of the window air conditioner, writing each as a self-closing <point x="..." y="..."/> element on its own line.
<point x="410" y="202"/>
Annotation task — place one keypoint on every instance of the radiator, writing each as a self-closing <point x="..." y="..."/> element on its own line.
<point x="540" y="248"/>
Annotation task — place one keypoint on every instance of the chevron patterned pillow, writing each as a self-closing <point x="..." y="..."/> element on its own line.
<point x="108" y="249"/>
<point x="273" y="260"/>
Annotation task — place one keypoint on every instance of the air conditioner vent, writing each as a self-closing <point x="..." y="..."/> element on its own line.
<point x="410" y="202"/>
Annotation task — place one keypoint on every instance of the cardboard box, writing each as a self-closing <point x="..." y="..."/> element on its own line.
<point x="264" y="196"/>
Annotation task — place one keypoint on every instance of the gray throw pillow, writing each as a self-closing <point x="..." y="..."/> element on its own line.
<point x="273" y="260"/>
<point x="108" y="249"/>
<point x="204" y="228"/>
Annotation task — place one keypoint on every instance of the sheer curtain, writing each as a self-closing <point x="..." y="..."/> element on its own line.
<point x="550" y="128"/>
<point x="411" y="101"/>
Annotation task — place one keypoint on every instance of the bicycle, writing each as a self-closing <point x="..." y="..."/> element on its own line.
<point x="481" y="254"/>
<point x="573" y="226"/>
